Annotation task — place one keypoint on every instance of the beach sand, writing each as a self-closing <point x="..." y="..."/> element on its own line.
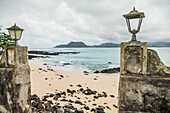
<point x="45" y="81"/>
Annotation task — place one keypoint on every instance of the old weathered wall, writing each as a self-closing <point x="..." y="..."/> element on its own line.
<point x="155" y="65"/>
<point x="144" y="80"/>
<point x="145" y="94"/>
<point x="15" y="87"/>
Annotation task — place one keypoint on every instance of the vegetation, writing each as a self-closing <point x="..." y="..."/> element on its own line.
<point x="5" y="40"/>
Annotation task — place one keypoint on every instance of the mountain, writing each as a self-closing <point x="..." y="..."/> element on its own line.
<point x="159" y="44"/>
<point x="82" y="44"/>
<point x="108" y="45"/>
<point x="72" y="44"/>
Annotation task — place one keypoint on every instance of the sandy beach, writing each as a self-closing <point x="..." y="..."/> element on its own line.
<point x="46" y="81"/>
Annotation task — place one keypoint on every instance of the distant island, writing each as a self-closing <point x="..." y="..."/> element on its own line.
<point x="83" y="45"/>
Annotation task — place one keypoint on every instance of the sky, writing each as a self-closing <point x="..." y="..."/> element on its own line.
<point x="47" y="23"/>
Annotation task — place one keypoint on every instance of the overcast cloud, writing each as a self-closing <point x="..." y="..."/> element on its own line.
<point x="51" y="22"/>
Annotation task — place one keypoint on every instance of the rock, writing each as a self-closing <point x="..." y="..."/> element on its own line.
<point x="108" y="107"/>
<point x="71" y="85"/>
<point x="61" y="76"/>
<point x="55" y="98"/>
<point x="93" y="110"/>
<point x="35" y="56"/>
<point x="37" y="105"/>
<point x="35" y="97"/>
<point x="85" y="72"/>
<point x="64" y="100"/>
<point x="81" y="89"/>
<point x="109" y="62"/>
<point x="88" y="92"/>
<point x="63" y="93"/>
<point x="100" y="110"/>
<point x="79" y="85"/>
<point x="95" y="78"/>
<point x="97" y="71"/>
<point x="47" y="106"/>
<point x="44" y="99"/>
<point x="71" y="101"/>
<point x="79" y="111"/>
<point x="71" y="91"/>
<point x="100" y="95"/>
<point x="50" y="53"/>
<point x="45" y="64"/>
<point x="86" y="107"/>
<point x="78" y="98"/>
<point x="111" y="70"/>
<point x="104" y="94"/>
<point x="115" y="106"/>
<point x="55" y="107"/>
<point x="94" y="104"/>
<point x="59" y="110"/>
<point x="66" y="63"/>
<point x="112" y="96"/>
<point x="50" y="102"/>
<point x="96" y="97"/>
<point x="51" y="95"/>
<point x="78" y="102"/>
<point x="69" y="106"/>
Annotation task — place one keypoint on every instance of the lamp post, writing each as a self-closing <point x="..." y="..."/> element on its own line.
<point x="15" y="33"/>
<point x="134" y="15"/>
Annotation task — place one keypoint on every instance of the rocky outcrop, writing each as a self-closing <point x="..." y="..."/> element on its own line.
<point x="110" y="70"/>
<point x="50" y="53"/>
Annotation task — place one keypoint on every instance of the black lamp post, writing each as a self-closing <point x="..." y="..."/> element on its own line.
<point x="15" y="33"/>
<point x="134" y="15"/>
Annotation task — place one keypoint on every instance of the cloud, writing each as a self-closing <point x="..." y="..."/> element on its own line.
<point x="52" y="22"/>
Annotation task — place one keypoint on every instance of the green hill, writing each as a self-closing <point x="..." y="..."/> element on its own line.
<point x="72" y="44"/>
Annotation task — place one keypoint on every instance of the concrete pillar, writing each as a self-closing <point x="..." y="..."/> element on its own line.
<point x="15" y="87"/>
<point x="144" y="80"/>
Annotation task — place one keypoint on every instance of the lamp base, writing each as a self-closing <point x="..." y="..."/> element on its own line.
<point x="134" y="41"/>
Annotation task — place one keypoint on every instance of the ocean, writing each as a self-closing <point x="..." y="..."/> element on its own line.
<point x="95" y="58"/>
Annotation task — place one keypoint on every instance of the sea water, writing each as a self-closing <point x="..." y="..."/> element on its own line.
<point x="95" y="58"/>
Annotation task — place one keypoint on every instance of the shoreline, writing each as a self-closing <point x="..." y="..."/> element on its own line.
<point x="47" y="80"/>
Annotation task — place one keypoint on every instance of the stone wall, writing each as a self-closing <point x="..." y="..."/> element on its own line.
<point x="15" y="87"/>
<point x="144" y="80"/>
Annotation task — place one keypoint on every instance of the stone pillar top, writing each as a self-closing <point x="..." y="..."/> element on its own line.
<point x="14" y="56"/>
<point x="133" y="58"/>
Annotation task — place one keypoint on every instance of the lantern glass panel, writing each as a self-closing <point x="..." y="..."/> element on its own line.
<point x="18" y="34"/>
<point x="12" y="33"/>
<point x="134" y="23"/>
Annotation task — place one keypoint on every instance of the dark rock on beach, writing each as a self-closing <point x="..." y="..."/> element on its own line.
<point x="78" y="102"/>
<point x="51" y="53"/>
<point x="66" y="64"/>
<point x="111" y="70"/>
<point x="35" y="56"/>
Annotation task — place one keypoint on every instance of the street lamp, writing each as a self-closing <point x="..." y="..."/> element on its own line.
<point x="15" y="33"/>
<point x="134" y="15"/>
